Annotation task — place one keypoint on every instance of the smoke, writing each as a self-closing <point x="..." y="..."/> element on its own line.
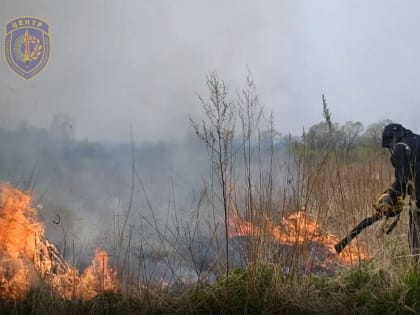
<point x="139" y="63"/>
<point x="134" y="63"/>
<point x="83" y="188"/>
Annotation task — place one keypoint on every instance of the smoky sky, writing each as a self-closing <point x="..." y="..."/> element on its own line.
<point x="117" y="65"/>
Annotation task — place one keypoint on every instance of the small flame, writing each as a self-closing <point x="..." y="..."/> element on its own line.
<point x="27" y="258"/>
<point x="294" y="229"/>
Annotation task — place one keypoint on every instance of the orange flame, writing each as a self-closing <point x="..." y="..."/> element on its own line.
<point x="294" y="229"/>
<point x="27" y="258"/>
<point x="98" y="277"/>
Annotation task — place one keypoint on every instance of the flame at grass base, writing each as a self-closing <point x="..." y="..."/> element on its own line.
<point x="28" y="260"/>
<point x="97" y="278"/>
<point x="297" y="229"/>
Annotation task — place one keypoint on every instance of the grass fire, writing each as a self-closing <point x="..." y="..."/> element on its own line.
<point x="28" y="260"/>
<point x="297" y="230"/>
<point x="258" y="234"/>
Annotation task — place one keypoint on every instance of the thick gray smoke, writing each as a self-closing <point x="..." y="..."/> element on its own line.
<point x="138" y="66"/>
<point x="84" y="187"/>
<point x="142" y="63"/>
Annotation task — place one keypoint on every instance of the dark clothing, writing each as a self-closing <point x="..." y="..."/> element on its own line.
<point x="406" y="161"/>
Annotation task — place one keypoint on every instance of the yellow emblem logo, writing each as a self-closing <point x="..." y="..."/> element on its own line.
<point x="27" y="45"/>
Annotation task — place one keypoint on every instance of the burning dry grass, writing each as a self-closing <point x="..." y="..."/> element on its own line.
<point x="17" y="242"/>
<point x="298" y="230"/>
<point x="28" y="260"/>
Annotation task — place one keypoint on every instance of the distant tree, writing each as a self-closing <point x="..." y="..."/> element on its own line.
<point x="318" y="136"/>
<point x="373" y="133"/>
<point x="349" y="135"/>
<point x="23" y="125"/>
<point x="62" y="126"/>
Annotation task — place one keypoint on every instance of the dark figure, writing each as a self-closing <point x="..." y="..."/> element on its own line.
<point x="404" y="146"/>
<point x="405" y="157"/>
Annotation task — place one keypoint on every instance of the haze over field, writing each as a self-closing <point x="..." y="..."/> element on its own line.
<point x="190" y="156"/>
<point x="142" y="63"/>
<point x="139" y="66"/>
